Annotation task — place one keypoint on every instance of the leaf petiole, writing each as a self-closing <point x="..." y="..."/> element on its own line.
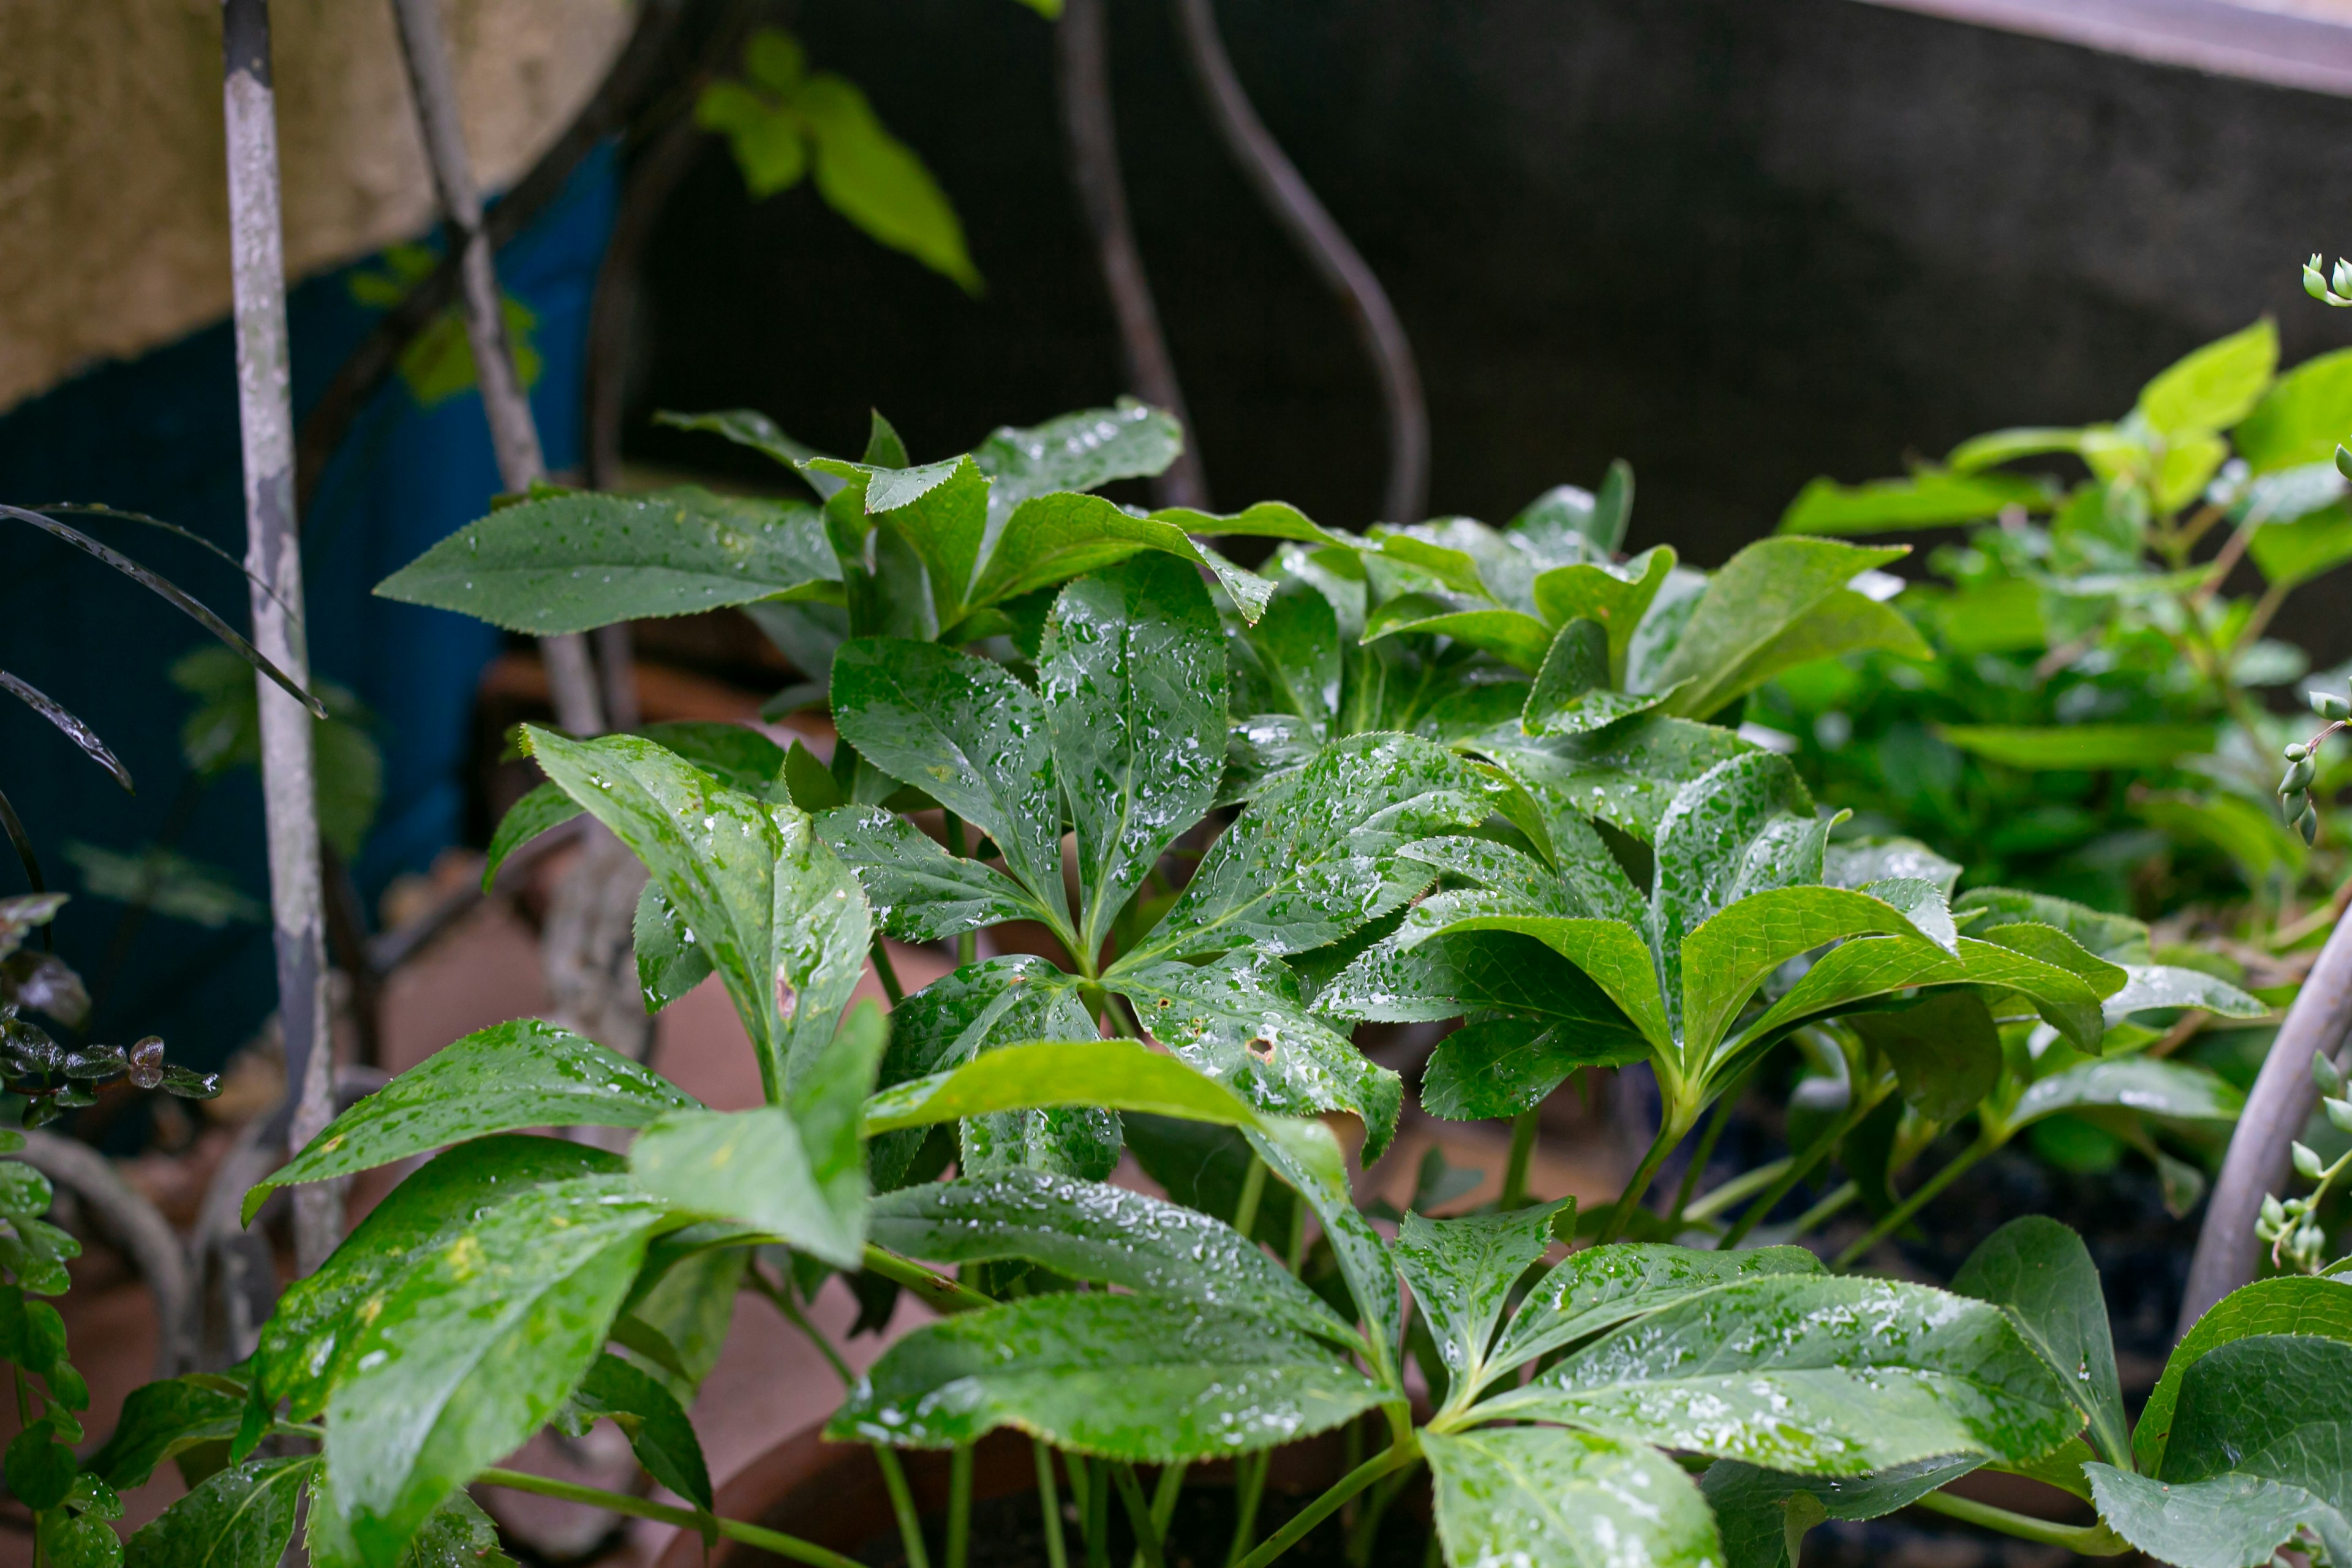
<point x="1900" y="1214"/>
<point x="1402" y="1452"/>
<point x="1515" y="1173"/>
<point x="2090" y="1540"/>
<point x="774" y="1541"/>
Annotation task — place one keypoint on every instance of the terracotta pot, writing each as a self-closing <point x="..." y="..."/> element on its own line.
<point x="833" y="1494"/>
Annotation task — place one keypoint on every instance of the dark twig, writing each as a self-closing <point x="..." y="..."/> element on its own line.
<point x="1327" y="249"/>
<point x="1085" y="78"/>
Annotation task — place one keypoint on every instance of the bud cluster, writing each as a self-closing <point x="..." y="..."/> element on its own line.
<point x="2292" y="1225"/>
<point x="2329" y="290"/>
<point x="2303" y="761"/>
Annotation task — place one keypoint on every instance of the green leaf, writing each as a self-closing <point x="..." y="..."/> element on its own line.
<point x="306" y="1345"/>
<point x="2167" y="985"/>
<point x="1453" y="973"/>
<point x="1625" y="775"/>
<point x="1462" y="1272"/>
<point x="509" y="1076"/>
<point x="1518" y="639"/>
<point x="2038" y="1271"/>
<point x="1501" y="1066"/>
<point x="1105" y="1235"/>
<point x="655" y="1424"/>
<point x="474" y="1348"/>
<point x="967" y="733"/>
<point x="783" y="920"/>
<point x="1994" y="447"/>
<point x="2118" y="939"/>
<point x="876" y="182"/>
<point x="2213" y="387"/>
<point x="1610" y="952"/>
<point x="158" y="1420"/>
<point x="2289" y="1304"/>
<point x="240" y="1517"/>
<point x="1616" y="596"/>
<point x="2079" y="748"/>
<point x="671" y="962"/>
<point x="543" y="807"/>
<point x="1723" y="960"/>
<point x="458" y="1534"/>
<point x="1317" y="856"/>
<point x="1570" y="695"/>
<point x="574" y="563"/>
<point x="1127" y="1377"/>
<point x="1051" y="538"/>
<point x="1817" y="1375"/>
<point x="1294" y="650"/>
<point x="1081" y="451"/>
<point x="1241" y="1021"/>
<point x="998" y="1001"/>
<point x="1733" y="640"/>
<point x="1119" y="1075"/>
<point x="1535" y="1497"/>
<point x="918" y="891"/>
<point x="2257" y="1451"/>
<point x="1601" y="1286"/>
<point x="1946" y="1051"/>
<point x="2301" y="418"/>
<point x="746" y="1165"/>
<point x="1930" y="498"/>
<point x="2292" y="553"/>
<point x="1764" y="1514"/>
<point x="1133" y="672"/>
<point x="749" y="427"/>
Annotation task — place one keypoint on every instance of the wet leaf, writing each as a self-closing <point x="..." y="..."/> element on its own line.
<point x="918" y="891"/>
<point x="1537" y="1497"/>
<point x="1778" y="603"/>
<point x="240" y="1517"/>
<point x="656" y="1425"/>
<point x="2288" y="1304"/>
<point x="1462" y="1272"/>
<point x="1764" y="1514"/>
<point x="1601" y="1286"/>
<point x="2039" y="1272"/>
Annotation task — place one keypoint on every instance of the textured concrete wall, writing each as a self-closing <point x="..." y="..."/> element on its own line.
<point x="1739" y="243"/>
<point x="113" y="219"/>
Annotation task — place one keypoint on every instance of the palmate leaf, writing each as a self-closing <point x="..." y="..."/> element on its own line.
<point x="474" y="1349"/>
<point x="2289" y="1304"/>
<point x="1625" y="775"/>
<point x="1104" y="1234"/>
<point x="2038" y="1271"/>
<point x="1128" y="1377"/>
<point x="498" y="1079"/>
<point x="783" y="920"/>
<point x="1462" y="1272"/>
<point x="1571" y="694"/>
<point x="1132" y="668"/>
<point x="1821" y="1375"/>
<point x="2167" y="1090"/>
<point x="1537" y="1497"/>
<point x="1291" y="661"/>
<point x="574" y="563"/>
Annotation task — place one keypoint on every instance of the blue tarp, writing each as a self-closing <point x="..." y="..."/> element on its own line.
<point x="159" y="435"/>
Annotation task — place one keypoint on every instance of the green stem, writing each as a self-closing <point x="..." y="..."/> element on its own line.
<point x="1836" y="1199"/>
<point x="1097" y="1515"/>
<point x="1368" y="1524"/>
<point x="1164" y="1495"/>
<point x="1714" y="1200"/>
<point x="1798" y="1170"/>
<point x="782" y="1545"/>
<point x="967" y="942"/>
<point x="1901" y="1214"/>
<point x="887" y="973"/>
<point x="1138" y="1514"/>
<point x="1249" y="1488"/>
<point x="1515" y="1173"/>
<point x="1671" y="1128"/>
<point x="2089" y="1540"/>
<point x="960" y="1506"/>
<point x="902" y="1506"/>
<point x="936" y="1291"/>
<point x="1705" y="1150"/>
<point x="1315" y="1512"/>
<point x="1049" y="1501"/>
<point x="1253" y="1193"/>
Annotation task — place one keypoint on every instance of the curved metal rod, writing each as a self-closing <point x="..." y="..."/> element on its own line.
<point x="1083" y="44"/>
<point x="136" y="1225"/>
<point x="2258" y="1163"/>
<point x="1295" y="205"/>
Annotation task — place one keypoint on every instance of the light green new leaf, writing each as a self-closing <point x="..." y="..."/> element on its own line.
<point x="1241" y="1021"/>
<point x="2288" y="1304"/>
<point x="1080" y="451"/>
<point x="1764" y="592"/>
<point x="306" y="1345"/>
<point x="474" y="1349"/>
<point x="1106" y="1235"/>
<point x="1930" y="498"/>
<point x="1601" y="1286"/>
<point x="2292" y="553"/>
<point x="2301" y="418"/>
<point x="1616" y="596"/>
<point x="876" y="182"/>
<point x="783" y="920"/>
<point x="1462" y="1272"/>
<point x="1132" y="667"/>
<point x="1119" y="1075"/>
<point x="2118" y="939"/>
<point x="2167" y="1090"/>
<point x="239" y="1517"/>
<point x="2079" y="748"/>
<point x="1537" y="1497"/>
<point x="1050" y="539"/>
<point x="2038" y="1271"/>
<point x="1516" y="638"/>
<point x="1317" y="856"/>
<point x="1127" y="1377"/>
<point x="508" y="1076"/>
<point x="2213" y="387"/>
<point x="574" y="563"/>
<point x="1817" y="1375"/>
<point x="1994" y="447"/>
<point x="918" y="891"/>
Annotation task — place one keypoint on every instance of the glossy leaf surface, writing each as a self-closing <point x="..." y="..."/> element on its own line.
<point x="1537" y="1497"/>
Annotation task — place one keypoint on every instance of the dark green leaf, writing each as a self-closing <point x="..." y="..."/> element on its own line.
<point x="2038" y="1271"/>
<point x="656" y="1427"/>
<point x="1946" y="1052"/>
<point x="919" y="891"/>
<point x="749" y="427"/>
<point x="1051" y="538"/>
<point x="1570" y="695"/>
<point x="671" y="962"/>
<point x="71" y="1540"/>
<point x="1516" y="638"/>
<point x="1537" y="1497"/>
<point x="1125" y="1376"/>
<point x="1453" y="973"/>
<point x="509" y="1076"/>
<point x="241" y="1517"/>
<point x="1133" y="672"/>
<point x="783" y="920"/>
<point x="2167" y="1090"/>
<point x="1295" y="652"/>
<point x="2290" y="1304"/>
<point x="1602" y="1287"/>
<point x="1317" y="856"/>
<point x="40" y="1468"/>
<point x="1616" y="596"/>
<point x="1081" y="451"/>
<point x="1625" y="775"/>
<point x="545" y="807"/>
<point x="474" y="1349"/>
<point x="574" y="563"/>
<point x="158" y="1420"/>
<point x="1764" y="1514"/>
<point x="1203" y="1167"/>
<point x="1501" y="1066"/>
<point x="457" y="1535"/>
<point x="967" y="733"/>
<point x="1106" y="1235"/>
<point x="1241" y="1021"/>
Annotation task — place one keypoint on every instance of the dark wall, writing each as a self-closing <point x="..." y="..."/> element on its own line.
<point x="1738" y="244"/>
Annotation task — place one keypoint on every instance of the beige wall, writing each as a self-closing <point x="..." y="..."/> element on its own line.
<point x="113" y="229"/>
